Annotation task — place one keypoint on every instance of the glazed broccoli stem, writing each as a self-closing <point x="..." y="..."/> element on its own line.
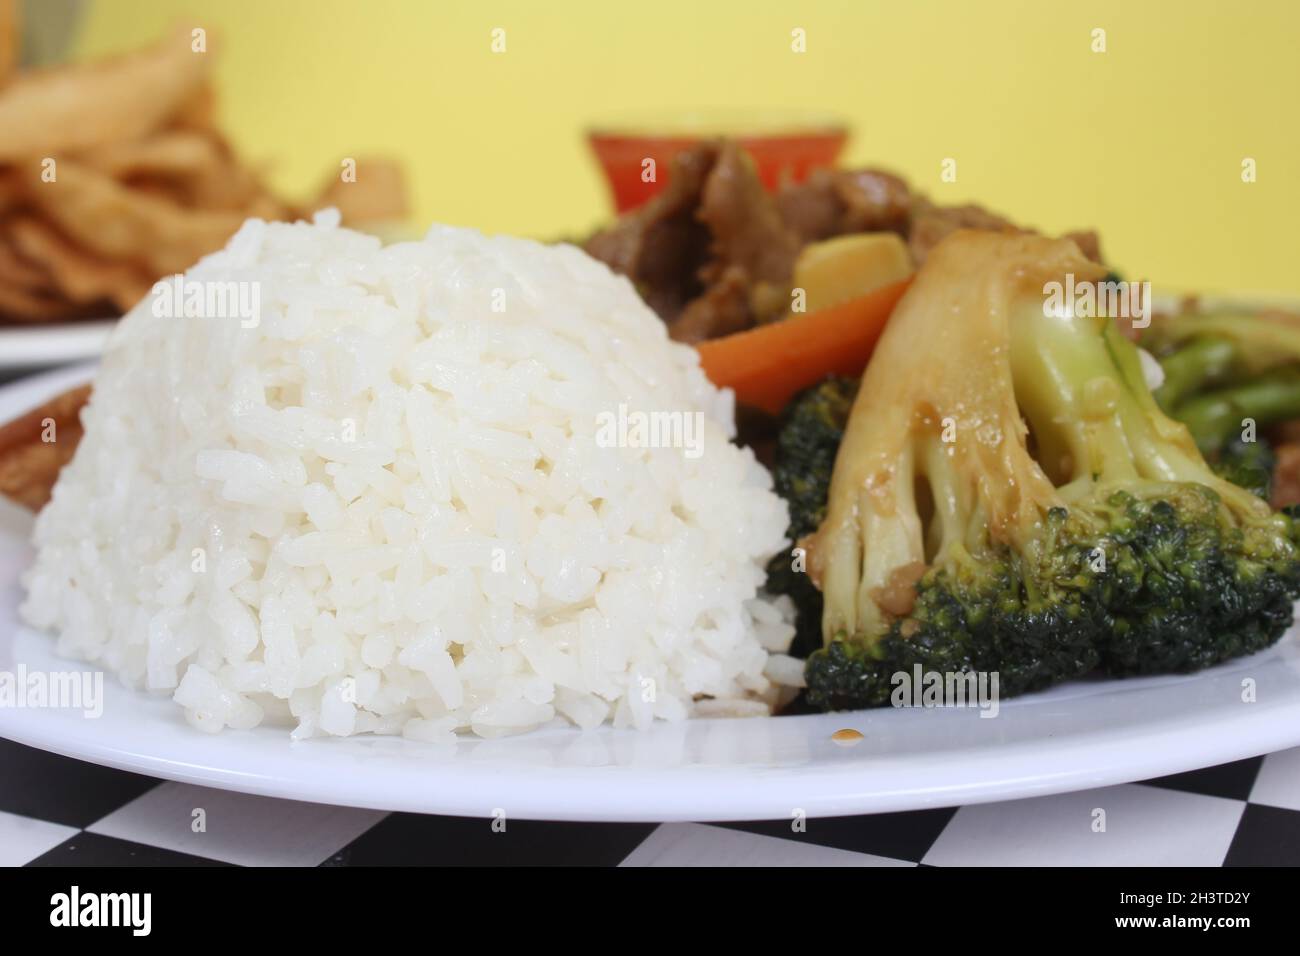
<point x="936" y="410"/>
<point x="1216" y="417"/>
<point x="897" y="541"/>
<point x="1079" y="383"/>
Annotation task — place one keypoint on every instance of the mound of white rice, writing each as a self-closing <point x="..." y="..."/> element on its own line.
<point x="385" y="505"/>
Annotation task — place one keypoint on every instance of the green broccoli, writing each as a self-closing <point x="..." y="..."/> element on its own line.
<point x="1249" y="464"/>
<point x="811" y="428"/>
<point x="1008" y="497"/>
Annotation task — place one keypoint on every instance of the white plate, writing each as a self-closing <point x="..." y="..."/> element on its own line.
<point x="36" y="346"/>
<point x="1086" y="734"/>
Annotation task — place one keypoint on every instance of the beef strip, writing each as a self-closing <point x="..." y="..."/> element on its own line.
<point x="832" y="202"/>
<point x="713" y="252"/>
<point x="747" y="228"/>
<point x="812" y="209"/>
<point x="930" y="224"/>
<point x="753" y="252"/>
<point x="723" y="308"/>
<point x="661" y="246"/>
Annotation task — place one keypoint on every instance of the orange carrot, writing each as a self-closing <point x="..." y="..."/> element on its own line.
<point x="766" y="365"/>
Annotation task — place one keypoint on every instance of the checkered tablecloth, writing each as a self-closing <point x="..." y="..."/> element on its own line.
<point x="59" y="811"/>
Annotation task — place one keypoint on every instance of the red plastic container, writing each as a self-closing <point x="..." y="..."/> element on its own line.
<point x="787" y="152"/>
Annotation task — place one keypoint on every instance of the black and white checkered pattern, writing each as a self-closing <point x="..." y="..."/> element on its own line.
<point x="54" y="810"/>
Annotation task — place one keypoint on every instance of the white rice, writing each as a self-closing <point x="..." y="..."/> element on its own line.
<point x="385" y="508"/>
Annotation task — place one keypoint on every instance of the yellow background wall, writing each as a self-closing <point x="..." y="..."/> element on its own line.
<point x="1144" y="141"/>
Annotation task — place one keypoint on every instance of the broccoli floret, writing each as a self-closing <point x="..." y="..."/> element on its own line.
<point x="810" y="431"/>
<point x="1009" y="498"/>
<point x="1249" y="464"/>
<point x="811" y="428"/>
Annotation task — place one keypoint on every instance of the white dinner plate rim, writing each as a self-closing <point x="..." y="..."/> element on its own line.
<point x="48" y="344"/>
<point x="408" y="776"/>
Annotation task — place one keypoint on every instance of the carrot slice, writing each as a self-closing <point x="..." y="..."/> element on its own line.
<point x="767" y="365"/>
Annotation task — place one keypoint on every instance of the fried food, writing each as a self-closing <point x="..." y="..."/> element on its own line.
<point x="9" y="33"/>
<point x="83" y="278"/>
<point x="113" y="175"/>
<point x="377" y="195"/>
<point x="117" y="222"/>
<point x="34" y="447"/>
<point x="70" y="109"/>
<point x="19" y="273"/>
